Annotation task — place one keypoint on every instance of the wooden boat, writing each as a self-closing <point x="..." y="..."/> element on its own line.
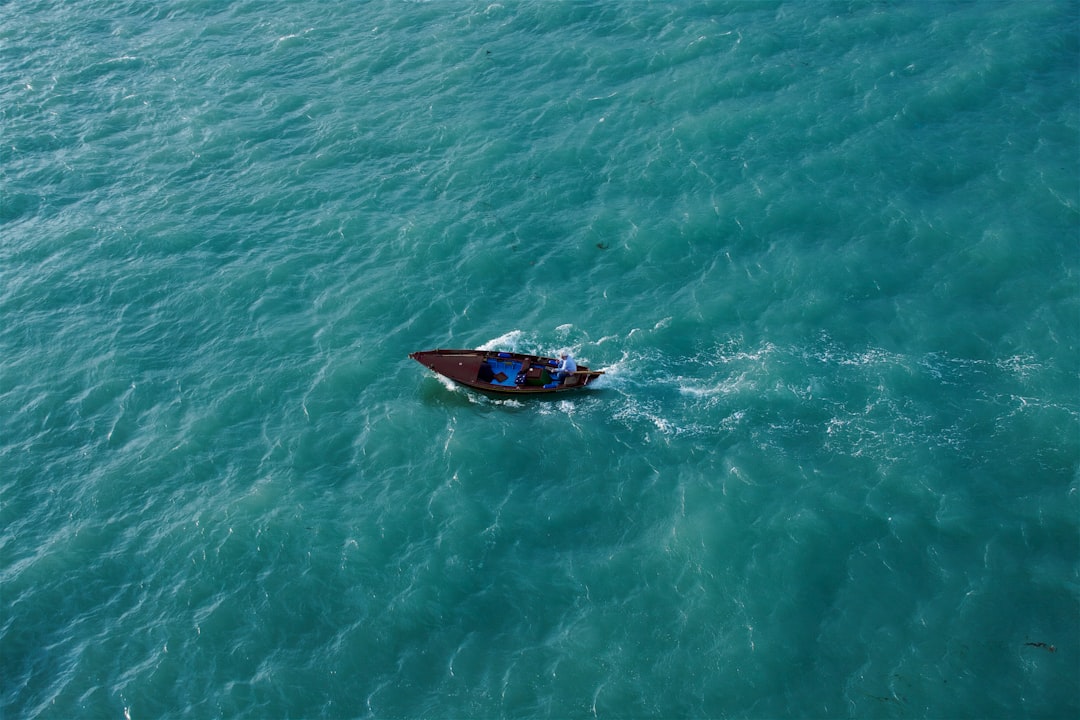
<point x="503" y="372"/>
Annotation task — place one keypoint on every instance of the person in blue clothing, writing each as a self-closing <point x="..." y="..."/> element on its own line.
<point x="565" y="368"/>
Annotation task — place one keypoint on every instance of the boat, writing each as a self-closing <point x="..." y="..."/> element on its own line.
<point x="503" y="372"/>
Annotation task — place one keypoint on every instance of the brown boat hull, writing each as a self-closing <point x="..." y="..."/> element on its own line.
<point x="503" y="372"/>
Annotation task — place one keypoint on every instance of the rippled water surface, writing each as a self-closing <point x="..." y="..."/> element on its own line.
<point x="827" y="255"/>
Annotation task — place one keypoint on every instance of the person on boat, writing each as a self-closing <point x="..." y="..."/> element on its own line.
<point x="565" y="368"/>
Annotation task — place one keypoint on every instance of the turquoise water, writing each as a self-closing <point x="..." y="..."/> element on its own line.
<point x="828" y="255"/>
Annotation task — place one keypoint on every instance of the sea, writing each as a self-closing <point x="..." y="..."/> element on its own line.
<point x="827" y="255"/>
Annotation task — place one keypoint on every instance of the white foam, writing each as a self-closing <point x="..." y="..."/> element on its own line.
<point x="510" y="341"/>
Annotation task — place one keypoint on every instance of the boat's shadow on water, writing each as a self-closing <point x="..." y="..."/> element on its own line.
<point x="437" y="394"/>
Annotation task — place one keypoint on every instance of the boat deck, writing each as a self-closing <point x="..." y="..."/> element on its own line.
<point x="505" y="372"/>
